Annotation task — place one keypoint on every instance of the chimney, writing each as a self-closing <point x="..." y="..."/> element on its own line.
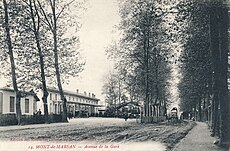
<point x="93" y="95"/>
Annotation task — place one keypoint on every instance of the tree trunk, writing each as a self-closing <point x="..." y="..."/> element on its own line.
<point x="13" y="68"/>
<point x="214" y="41"/>
<point x="199" y="110"/>
<point x="219" y="21"/>
<point x="194" y="113"/>
<point x="58" y="76"/>
<point x="41" y="58"/>
<point x="56" y="60"/>
<point x="146" y="51"/>
<point x="224" y="98"/>
<point x="212" y="114"/>
<point x="156" y="74"/>
<point x="165" y="109"/>
<point x="147" y="83"/>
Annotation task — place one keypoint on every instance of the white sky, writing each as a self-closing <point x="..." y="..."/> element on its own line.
<point x="95" y="35"/>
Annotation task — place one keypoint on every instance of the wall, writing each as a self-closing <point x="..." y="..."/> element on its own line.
<point x="71" y="101"/>
<point x="6" y="103"/>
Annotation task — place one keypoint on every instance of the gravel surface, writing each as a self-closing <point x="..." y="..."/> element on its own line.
<point x="100" y="130"/>
<point x="198" y="139"/>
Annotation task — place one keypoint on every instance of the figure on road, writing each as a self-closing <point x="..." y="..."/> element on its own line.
<point x="126" y="116"/>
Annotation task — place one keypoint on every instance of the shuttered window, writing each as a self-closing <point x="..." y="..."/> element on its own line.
<point x="51" y="96"/>
<point x="1" y="102"/>
<point x="27" y="105"/>
<point x="12" y="103"/>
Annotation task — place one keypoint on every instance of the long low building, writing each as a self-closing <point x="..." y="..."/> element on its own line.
<point x="8" y="102"/>
<point x="76" y="102"/>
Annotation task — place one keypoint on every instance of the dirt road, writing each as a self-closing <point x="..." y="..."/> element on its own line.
<point x="98" y="130"/>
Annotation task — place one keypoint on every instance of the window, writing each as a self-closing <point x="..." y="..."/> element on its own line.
<point x="60" y="108"/>
<point x="1" y="102"/>
<point x="55" y="96"/>
<point x="50" y="107"/>
<point x="34" y="106"/>
<point x="27" y="105"/>
<point x="12" y="104"/>
<point x="50" y="96"/>
<point x="55" y="108"/>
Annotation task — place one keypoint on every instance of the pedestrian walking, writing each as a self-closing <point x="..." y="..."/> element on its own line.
<point x="126" y="116"/>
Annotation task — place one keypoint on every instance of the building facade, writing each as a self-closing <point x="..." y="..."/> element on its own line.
<point x="8" y="102"/>
<point x="76" y="102"/>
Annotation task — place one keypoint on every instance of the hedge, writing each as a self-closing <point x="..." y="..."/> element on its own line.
<point x="10" y="119"/>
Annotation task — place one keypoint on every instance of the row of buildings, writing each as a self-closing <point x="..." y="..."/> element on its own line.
<point x="32" y="102"/>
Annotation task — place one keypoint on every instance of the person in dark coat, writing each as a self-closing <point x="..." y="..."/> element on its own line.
<point x="126" y="116"/>
<point x="39" y="112"/>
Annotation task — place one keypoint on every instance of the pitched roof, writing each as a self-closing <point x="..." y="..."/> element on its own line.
<point x="31" y="92"/>
<point x="73" y="94"/>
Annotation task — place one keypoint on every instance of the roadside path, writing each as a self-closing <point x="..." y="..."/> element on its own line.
<point x="198" y="139"/>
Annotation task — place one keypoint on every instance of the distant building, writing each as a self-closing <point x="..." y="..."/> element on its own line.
<point x="101" y="111"/>
<point x="8" y="102"/>
<point x="76" y="102"/>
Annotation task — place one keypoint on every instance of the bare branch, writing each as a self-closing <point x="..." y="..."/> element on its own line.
<point x="58" y="15"/>
<point x="38" y="16"/>
<point x="51" y="4"/>
<point x="27" y="8"/>
<point x="47" y="22"/>
<point x="25" y="1"/>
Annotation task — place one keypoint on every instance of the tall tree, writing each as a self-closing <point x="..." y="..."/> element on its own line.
<point x="219" y="27"/>
<point x="205" y="53"/>
<point x="110" y="90"/>
<point x="35" y="27"/>
<point x="10" y="52"/>
<point x="55" y="21"/>
<point x="114" y="89"/>
<point x="141" y="51"/>
<point x="196" y="69"/>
